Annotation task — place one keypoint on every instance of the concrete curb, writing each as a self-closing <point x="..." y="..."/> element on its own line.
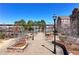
<point x="19" y="48"/>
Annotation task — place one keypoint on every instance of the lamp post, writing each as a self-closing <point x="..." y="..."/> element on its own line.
<point x="45" y="29"/>
<point x="54" y="18"/>
<point x="33" y="33"/>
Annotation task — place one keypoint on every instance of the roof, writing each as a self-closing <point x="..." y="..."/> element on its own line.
<point x="64" y="17"/>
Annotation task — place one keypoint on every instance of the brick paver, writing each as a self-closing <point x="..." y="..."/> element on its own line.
<point x="34" y="47"/>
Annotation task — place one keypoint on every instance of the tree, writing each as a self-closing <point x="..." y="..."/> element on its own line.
<point x="35" y="23"/>
<point x="30" y="24"/>
<point x="21" y="23"/>
<point x="41" y="24"/>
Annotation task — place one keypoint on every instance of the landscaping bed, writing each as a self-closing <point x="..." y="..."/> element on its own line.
<point x="70" y="44"/>
<point x="21" y="45"/>
<point x="72" y="48"/>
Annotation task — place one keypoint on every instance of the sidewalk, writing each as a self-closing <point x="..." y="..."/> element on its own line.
<point x="34" y="47"/>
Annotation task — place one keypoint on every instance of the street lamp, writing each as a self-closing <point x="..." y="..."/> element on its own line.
<point x="54" y="18"/>
<point x="45" y="29"/>
<point x="33" y="33"/>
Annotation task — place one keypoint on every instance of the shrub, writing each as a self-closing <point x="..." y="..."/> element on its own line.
<point x="62" y="38"/>
<point x="2" y="35"/>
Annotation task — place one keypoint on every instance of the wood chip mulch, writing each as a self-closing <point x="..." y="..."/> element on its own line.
<point x="73" y="48"/>
<point x="21" y="43"/>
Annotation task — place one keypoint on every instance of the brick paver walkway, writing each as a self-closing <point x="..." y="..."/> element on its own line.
<point x="34" y="47"/>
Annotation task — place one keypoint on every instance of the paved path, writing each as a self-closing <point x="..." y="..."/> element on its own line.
<point x="35" y="48"/>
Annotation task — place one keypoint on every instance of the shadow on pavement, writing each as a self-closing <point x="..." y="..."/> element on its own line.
<point x="65" y="52"/>
<point x="63" y="48"/>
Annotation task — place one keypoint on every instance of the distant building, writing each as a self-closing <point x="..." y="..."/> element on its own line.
<point x="63" y="25"/>
<point x="49" y="28"/>
<point x="10" y="30"/>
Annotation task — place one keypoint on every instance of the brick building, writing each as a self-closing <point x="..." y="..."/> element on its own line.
<point x="49" y="28"/>
<point x="10" y="30"/>
<point x="63" y="25"/>
<point x="74" y="19"/>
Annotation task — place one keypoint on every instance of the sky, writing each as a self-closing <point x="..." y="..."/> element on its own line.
<point x="11" y="12"/>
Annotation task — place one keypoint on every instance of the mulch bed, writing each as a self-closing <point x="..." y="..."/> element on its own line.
<point x="21" y="43"/>
<point x="72" y="48"/>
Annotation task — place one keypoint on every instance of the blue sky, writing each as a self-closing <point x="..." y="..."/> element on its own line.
<point x="11" y="12"/>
